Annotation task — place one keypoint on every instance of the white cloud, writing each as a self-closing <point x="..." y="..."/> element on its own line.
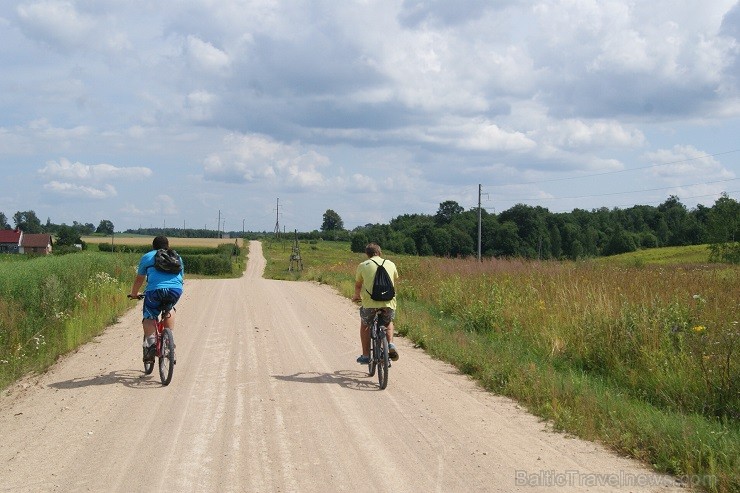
<point x="66" y="169"/>
<point x="253" y="158"/>
<point x="206" y="56"/>
<point x="55" y="22"/>
<point x="580" y="134"/>
<point x="81" y="191"/>
<point x="685" y="161"/>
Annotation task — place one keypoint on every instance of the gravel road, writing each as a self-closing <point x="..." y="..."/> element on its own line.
<point x="267" y="397"/>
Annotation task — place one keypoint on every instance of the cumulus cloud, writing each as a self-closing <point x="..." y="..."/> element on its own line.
<point x="686" y="161"/>
<point x="206" y="56"/>
<point x="81" y="191"/>
<point x="66" y="169"/>
<point x="254" y="158"/>
<point x="55" y="22"/>
<point x="581" y="134"/>
<point x="61" y="25"/>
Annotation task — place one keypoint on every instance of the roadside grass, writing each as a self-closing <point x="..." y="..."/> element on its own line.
<point x="643" y="358"/>
<point x="50" y="305"/>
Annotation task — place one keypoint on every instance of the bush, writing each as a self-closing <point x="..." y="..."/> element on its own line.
<point x="208" y="265"/>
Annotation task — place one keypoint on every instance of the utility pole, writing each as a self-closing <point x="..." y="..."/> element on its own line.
<point x="479" y="223"/>
<point x="218" y="227"/>
<point x="277" y="219"/>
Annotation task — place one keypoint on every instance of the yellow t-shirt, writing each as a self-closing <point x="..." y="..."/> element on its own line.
<point x="366" y="274"/>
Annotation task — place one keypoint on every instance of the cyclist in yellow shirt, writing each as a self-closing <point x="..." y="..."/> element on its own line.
<point x="386" y="309"/>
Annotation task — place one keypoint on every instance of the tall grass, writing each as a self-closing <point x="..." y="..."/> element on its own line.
<point x="50" y="305"/>
<point x="645" y="358"/>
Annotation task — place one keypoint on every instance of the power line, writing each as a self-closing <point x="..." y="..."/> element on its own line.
<point x="631" y="191"/>
<point x="620" y="206"/>
<point x="617" y="171"/>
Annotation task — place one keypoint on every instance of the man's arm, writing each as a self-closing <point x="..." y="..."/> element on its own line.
<point x="358" y="291"/>
<point x="137" y="284"/>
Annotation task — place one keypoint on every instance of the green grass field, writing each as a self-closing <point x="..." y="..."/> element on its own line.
<point x="694" y="254"/>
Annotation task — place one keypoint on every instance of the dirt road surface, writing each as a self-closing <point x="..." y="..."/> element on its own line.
<point x="267" y="397"/>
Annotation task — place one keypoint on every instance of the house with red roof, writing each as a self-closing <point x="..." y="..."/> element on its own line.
<point x="16" y="241"/>
<point x="38" y="244"/>
<point x="10" y="240"/>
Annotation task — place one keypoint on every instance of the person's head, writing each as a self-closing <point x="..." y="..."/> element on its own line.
<point x="160" y="242"/>
<point x="373" y="249"/>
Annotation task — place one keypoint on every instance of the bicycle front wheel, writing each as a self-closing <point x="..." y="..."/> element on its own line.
<point x="383" y="363"/>
<point x="166" y="356"/>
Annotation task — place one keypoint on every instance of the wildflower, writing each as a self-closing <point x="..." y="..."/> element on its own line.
<point x="699" y="329"/>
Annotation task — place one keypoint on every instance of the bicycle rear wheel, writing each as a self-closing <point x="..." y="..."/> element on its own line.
<point x="166" y="356"/>
<point x="383" y="363"/>
<point x="148" y="365"/>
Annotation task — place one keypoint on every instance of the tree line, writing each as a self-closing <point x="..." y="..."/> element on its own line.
<point x="28" y="222"/>
<point x="522" y="231"/>
<point x="536" y="233"/>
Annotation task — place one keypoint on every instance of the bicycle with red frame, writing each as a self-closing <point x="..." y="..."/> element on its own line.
<point x="165" y="346"/>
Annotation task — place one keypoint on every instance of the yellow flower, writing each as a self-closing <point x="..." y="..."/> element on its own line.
<point x="699" y="329"/>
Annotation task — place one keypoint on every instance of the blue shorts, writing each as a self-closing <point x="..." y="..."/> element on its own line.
<point x="159" y="300"/>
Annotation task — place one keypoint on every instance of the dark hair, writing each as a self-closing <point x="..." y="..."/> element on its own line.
<point x="372" y="249"/>
<point x="160" y="242"/>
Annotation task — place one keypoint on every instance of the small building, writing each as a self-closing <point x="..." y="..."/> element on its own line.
<point x="38" y="244"/>
<point x="10" y="240"/>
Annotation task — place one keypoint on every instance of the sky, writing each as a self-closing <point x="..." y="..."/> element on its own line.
<point x="257" y="114"/>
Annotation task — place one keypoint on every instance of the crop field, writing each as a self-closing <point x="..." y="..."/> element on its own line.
<point x="174" y="242"/>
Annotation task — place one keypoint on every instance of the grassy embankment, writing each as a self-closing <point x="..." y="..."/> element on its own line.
<point x="640" y="352"/>
<point x="51" y="305"/>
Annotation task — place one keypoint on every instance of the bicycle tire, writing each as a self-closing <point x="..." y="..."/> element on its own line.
<point x="166" y="356"/>
<point x="373" y="358"/>
<point x="383" y="363"/>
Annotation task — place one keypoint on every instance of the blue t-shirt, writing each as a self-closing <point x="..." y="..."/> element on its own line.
<point x="156" y="279"/>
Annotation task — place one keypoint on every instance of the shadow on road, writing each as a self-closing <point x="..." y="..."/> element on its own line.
<point x="129" y="378"/>
<point x="347" y="379"/>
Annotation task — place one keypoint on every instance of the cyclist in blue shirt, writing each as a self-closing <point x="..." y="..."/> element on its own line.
<point x="163" y="290"/>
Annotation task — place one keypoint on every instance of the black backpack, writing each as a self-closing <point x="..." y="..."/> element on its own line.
<point x="167" y="260"/>
<point x="383" y="289"/>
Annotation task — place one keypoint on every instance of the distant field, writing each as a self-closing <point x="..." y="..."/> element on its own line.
<point x="174" y="242"/>
<point x="693" y="254"/>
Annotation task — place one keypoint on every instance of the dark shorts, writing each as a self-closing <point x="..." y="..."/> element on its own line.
<point x="385" y="316"/>
<point x="160" y="300"/>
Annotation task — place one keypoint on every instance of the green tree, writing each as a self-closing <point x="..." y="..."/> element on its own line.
<point x="724" y="230"/>
<point x="27" y="222"/>
<point x="4" y="221"/>
<point x="105" y="227"/>
<point x="620" y="242"/>
<point x="332" y="221"/>
<point x="447" y="212"/>
<point x="68" y="236"/>
<point x="359" y="242"/>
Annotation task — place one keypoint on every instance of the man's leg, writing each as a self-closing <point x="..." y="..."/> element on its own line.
<point x="169" y="322"/>
<point x="365" y="338"/>
<point x="149" y="328"/>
